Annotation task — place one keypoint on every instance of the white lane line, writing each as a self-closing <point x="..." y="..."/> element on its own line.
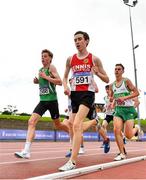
<point x="60" y="157"/>
<point x="88" y="169"/>
<point x="34" y="151"/>
<point x="49" y="148"/>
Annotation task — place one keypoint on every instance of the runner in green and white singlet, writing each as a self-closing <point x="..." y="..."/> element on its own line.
<point x="123" y="109"/>
<point x="123" y="91"/>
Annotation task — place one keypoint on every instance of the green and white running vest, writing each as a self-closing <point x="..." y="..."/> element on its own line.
<point x="47" y="89"/>
<point x="122" y="91"/>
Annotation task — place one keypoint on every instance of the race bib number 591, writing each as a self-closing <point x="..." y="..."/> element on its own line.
<point x="82" y="80"/>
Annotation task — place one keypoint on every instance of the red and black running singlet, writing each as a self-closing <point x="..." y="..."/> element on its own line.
<point x="82" y="76"/>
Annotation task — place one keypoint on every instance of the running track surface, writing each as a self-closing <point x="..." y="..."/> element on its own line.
<point x="47" y="157"/>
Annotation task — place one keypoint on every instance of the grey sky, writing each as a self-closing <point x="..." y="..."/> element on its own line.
<point x="28" y="26"/>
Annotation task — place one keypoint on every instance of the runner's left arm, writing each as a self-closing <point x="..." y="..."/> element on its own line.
<point x="53" y="77"/>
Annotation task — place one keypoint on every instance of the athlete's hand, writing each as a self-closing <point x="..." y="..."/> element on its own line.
<point x="35" y="80"/>
<point x="43" y="75"/>
<point x="96" y="90"/>
<point x="120" y="100"/>
<point x="67" y="91"/>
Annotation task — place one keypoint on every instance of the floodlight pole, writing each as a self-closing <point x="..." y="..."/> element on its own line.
<point x="133" y="48"/>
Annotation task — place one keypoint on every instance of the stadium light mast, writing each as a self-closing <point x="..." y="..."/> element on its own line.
<point x="133" y="4"/>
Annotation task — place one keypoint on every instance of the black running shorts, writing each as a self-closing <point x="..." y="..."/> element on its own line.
<point x="51" y="106"/>
<point x="81" y="97"/>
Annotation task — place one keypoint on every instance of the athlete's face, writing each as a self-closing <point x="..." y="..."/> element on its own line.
<point x="46" y="59"/>
<point x="118" y="71"/>
<point x="80" y="42"/>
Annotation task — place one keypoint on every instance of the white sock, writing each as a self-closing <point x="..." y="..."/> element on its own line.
<point x="27" y="146"/>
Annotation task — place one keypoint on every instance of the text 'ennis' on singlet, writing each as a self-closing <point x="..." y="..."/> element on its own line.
<point x="122" y="91"/>
<point x="82" y="76"/>
<point x="46" y="88"/>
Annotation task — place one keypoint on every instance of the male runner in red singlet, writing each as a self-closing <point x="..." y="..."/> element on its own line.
<point x="83" y="65"/>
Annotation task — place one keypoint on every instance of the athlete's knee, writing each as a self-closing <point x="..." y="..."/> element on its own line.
<point x="31" y="123"/>
<point x="128" y="135"/>
<point x="117" y="130"/>
<point x="33" y="120"/>
<point x="58" y="124"/>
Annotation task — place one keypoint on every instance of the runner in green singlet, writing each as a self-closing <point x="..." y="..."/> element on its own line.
<point x="47" y="80"/>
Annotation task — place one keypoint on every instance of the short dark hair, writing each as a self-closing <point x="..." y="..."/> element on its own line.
<point x="85" y="35"/>
<point x="47" y="51"/>
<point x="120" y="65"/>
<point x="107" y="87"/>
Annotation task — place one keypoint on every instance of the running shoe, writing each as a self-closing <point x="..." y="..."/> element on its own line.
<point x="106" y="145"/>
<point x="81" y="150"/>
<point x="22" y="154"/>
<point x="68" y="154"/>
<point x="68" y="166"/>
<point x="120" y="157"/>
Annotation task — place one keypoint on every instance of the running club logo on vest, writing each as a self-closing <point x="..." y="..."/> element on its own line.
<point x="82" y="67"/>
<point x="86" y="60"/>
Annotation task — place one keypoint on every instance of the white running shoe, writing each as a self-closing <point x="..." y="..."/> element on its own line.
<point x="81" y="150"/>
<point x="120" y="157"/>
<point x="140" y="131"/>
<point x="68" y="166"/>
<point x="22" y="154"/>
